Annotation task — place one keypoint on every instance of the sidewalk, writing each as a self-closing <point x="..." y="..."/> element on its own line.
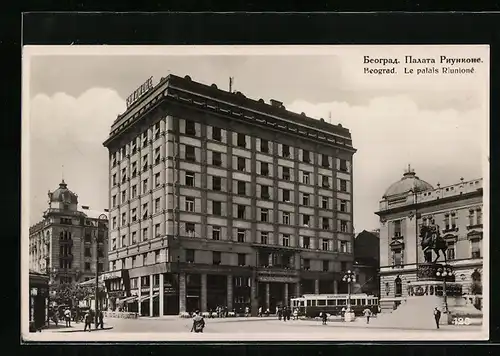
<point x="75" y="327"/>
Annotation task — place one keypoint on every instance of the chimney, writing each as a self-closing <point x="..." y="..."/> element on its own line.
<point x="276" y="103"/>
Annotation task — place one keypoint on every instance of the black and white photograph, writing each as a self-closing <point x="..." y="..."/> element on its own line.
<point x="255" y="193"/>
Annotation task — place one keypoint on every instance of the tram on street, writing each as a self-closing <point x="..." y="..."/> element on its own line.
<point x="311" y="305"/>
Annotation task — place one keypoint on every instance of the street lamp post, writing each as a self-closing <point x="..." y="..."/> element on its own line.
<point x="349" y="277"/>
<point x="445" y="272"/>
<point x="97" y="240"/>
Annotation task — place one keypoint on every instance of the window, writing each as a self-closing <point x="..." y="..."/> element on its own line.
<point x="113" y="201"/>
<point x="264" y="237"/>
<point x="124" y="175"/>
<point x="306" y="219"/>
<point x="306" y="264"/>
<point x="134" y="169"/>
<point x="325" y="182"/>
<point x="397" y="257"/>
<point x="190" y="154"/>
<point x="134" y="215"/>
<point x="87" y="253"/>
<point x="326" y="266"/>
<point x="476" y="248"/>
<point x="325" y="161"/>
<point x="216" y="184"/>
<point x="145" y="163"/>
<point x="144" y="139"/>
<point x="114" y="179"/>
<point x="87" y="266"/>
<point x="285" y="173"/>
<point x="305" y="156"/>
<point x="145" y="234"/>
<point x="157" y="131"/>
<point x="286" y="218"/>
<point x="157" y="205"/>
<point x="325" y="224"/>
<point x="397" y="228"/>
<point x="343" y="206"/>
<point x="324" y="245"/>
<point x="113" y="265"/>
<point x="216" y="134"/>
<point x="134" y="237"/>
<point x="241" y="140"/>
<point x="264" y="194"/>
<point x="124" y="219"/>
<point x="216" y="159"/>
<point x="190" y="179"/>
<point x="242" y="259"/>
<point x="264" y="168"/>
<point x="264" y="215"/>
<point x="343" y="185"/>
<point x="215" y="233"/>
<point x="305" y="177"/>
<point x="124" y="240"/>
<point x="286" y="151"/>
<point x="217" y="208"/>
<point x="241" y="235"/>
<point x="189" y="204"/>
<point x="216" y="258"/>
<point x="305" y="199"/>
<point x="324" y="202"/>
<point x="398" y="287"/>
<point x="157" y="179"/>
<point x="343" y="165"/>
<point x="241" y="212"/>
<point x="144" y="186"/>
<point x="157" y="230"/>
<point x="114" y="222"/>
<point x="450" y="252"/>
<point x="124" y="197"/>
<point x="479" y="217"/>
<point x="144" y="211"/>
<point x="242" y="188"/>
<point x="286" y="195"/>
<point x="113" y="160"/>
<point x="133" y="261"/>
<point x="134" y="191"/>
<point x="264" y="146"/>
<point x="190" y="228"/>
<point x="285" y="240"/>
<point x="189" y="256"/>
<point x="157" y="155"/>
<point x="241" y="164"/>
<point x="190" y="128"/>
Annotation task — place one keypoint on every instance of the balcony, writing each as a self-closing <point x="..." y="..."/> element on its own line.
<point x="475" y="226"/>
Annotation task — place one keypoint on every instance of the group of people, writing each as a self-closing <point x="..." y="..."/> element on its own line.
<point x="87" y="317"/>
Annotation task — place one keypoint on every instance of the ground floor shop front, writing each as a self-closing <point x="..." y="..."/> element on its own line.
<point x="206" y="290"/>
<point x="39" y="300"/>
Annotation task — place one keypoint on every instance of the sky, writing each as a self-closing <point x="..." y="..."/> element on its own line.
<point x="435" y="123"/>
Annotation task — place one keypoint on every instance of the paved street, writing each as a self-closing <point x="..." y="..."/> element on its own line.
<point x="174" y="328"/>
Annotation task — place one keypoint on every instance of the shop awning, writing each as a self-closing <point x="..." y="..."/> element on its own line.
<point x="146" y="297"/>
<point x="128" y="299"/>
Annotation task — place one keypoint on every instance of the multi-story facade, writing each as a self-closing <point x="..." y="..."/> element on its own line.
<point x="366" y="262"/>
<point x="63" y="245"/>
<point x="220" y="200"/>
<point x="456" y="209"/>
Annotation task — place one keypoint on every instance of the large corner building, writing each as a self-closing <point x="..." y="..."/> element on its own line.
<point x="220" y="200"/>
<point x="410" y="203"/>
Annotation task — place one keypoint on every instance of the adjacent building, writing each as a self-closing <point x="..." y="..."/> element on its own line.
<point x="220" y="200"/>
<point x="65" y="243"/>
<point x="367" y="262"/>
<point x="456" y="209"/>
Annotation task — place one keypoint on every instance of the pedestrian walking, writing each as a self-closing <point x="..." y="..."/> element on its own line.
<point x="280" y="313"/>
<point x="100" y="319"/>
<point x="437" y="316"/>
<point x="368" y="313"/>
<point x="296" y="314"/>
<point x="247" y="312"/>
<point x="198" y="323"/>
<point x="88" y="321"/>
<point x="67" y="317"/>
<point x="324" y="317"/>
<point x="260" y="312"/>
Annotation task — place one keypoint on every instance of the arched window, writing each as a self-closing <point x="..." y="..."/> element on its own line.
<point x="398" y="287"/>
<point x="387" y="288"/>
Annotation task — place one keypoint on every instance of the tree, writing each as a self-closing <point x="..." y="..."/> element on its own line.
<point x="69" y="293"/>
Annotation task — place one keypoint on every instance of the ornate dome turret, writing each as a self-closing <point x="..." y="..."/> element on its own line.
<point x="63" y="195"/>
<point x="409" y="182"/>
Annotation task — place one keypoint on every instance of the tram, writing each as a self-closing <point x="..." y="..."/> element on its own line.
<point x="311" y="305"/>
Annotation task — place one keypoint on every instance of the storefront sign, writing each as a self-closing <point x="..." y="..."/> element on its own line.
<point x="112" y="275"/>
<point x="139" y="92"/>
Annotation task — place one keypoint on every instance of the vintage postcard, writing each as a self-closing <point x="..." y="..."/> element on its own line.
<point x="255" y="193"/>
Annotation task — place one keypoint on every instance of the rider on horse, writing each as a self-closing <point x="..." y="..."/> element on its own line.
<point x="432" y="240"/>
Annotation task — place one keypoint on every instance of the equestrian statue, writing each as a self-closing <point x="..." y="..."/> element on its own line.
<point x="431" y="240"/>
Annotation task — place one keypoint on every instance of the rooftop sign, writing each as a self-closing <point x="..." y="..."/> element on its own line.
<point x="139" y="92"/>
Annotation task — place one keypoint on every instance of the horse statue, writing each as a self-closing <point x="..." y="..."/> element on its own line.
<point x="431" y="240"/>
